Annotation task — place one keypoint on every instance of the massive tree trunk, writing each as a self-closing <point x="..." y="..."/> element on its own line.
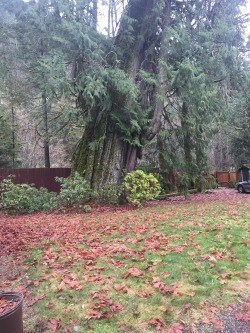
<point x="101" y="155"/>
<point x="102" y="161"/>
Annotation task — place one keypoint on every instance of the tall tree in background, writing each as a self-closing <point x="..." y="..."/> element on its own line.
<point x="165" y="65"/>
<point x="12" y="82"/>
<point x="36" y="29"/>
<point x="204" y="63"/>
<point x="185" y="49"/>
<point x="240" y="124"/>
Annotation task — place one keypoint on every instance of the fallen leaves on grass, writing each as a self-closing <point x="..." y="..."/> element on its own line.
<point x="133" y="271"/>
<point x="157" y="323"/>
<point x="158" y="251"/>
<point x="119" y="286"/>
<point x="145" y="293"/>
<point x="97" y="315"/>
<point x="36" y="299"/>
<point x="53" y="324"/>
<point x="175" y="328"/>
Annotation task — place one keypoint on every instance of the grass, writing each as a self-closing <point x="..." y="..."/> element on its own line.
<point x="188" y="258"/>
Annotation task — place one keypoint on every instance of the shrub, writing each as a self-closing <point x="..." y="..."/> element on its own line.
<point x="87" y="208"/>
<point x="139" y="186"/>
<point x="231" y="184"/>
<point x="183" y="183"/>
<point x="205" y="181"/>
<point x="25" y="198"/>
<point x="75" y="191"/>
<point x="109" y="194"/>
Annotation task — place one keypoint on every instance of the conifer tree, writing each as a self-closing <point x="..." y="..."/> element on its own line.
<point x="12" y="87"/>
<point x="204" y="61"/>
<point x="123" y="102"/>
<point x="165" y="65"/>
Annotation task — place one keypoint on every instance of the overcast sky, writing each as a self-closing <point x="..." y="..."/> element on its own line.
<point x="103" y="19"/>
<point x="246" y="10"/>
<point x="102" y="11"/>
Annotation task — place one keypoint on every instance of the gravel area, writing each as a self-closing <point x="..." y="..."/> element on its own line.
<point x="229" y="321"/>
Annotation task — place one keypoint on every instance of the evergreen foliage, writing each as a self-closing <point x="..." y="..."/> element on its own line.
<point x="204" y="60"/>
<point x="5" y="142"/>
<point x="240" y="125"/>
<point x="25" y="198"/>
<point x="139" y="186"/>
<point x="172" y="68"/>
<point x="74" y="191"/>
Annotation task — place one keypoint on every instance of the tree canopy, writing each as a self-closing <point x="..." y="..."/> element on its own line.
<point x="166" y="71"/>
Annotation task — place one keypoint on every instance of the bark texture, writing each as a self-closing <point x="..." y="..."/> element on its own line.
<point x="187" y="137"/>
<point x="102" y="162"/>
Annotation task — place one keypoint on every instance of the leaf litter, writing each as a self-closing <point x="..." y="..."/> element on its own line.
<point x="98" y="264"/>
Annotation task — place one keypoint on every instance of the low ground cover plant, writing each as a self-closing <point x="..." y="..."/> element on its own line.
<point x="25" y="198"/>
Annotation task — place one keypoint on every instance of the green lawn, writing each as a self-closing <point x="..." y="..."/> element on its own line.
<point x="141" y="270"/>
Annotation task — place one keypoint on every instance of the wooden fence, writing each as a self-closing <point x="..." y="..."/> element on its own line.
<point x="40" y="177"/>
<point x="224" y="177"/>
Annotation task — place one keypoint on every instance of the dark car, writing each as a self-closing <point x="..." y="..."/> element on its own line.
<point x="243" y="184"/>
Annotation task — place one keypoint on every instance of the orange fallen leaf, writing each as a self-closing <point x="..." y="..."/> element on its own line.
<point x="53" y="324"/>
<point x="134" y="272"/>
<point x="119" y="287"/>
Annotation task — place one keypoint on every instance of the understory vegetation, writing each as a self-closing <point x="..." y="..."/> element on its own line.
<point x="75" y="192"/>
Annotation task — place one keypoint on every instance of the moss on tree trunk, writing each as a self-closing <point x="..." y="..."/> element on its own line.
<point x="100" y="155"/>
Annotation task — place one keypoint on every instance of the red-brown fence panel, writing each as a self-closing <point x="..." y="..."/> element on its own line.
<point x="222" y="177"/>
<point x="40" y="177"/>
<point x="233" y="176"/>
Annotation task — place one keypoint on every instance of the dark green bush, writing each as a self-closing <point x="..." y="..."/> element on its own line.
<point x="109" y="194"/>
<point x="231" y="184"/>
<point x="24" y="198"/>
<point x="75" y="191"/>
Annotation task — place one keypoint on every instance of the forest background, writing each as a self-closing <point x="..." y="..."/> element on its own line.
<point x="164" y="84"/>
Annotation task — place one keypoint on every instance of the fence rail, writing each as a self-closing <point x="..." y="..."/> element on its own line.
<point x="40" y="177"/>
